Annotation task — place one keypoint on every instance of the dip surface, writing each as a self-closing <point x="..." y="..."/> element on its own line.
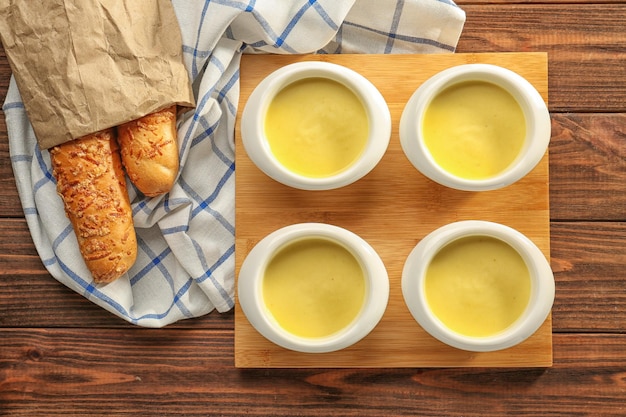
<point x="474" y="129"/>
<point x="477" y="286"/>
<point x="316" y="127"/>
<point x="314" y="287"/>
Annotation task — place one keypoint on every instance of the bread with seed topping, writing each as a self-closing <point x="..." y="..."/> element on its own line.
<point x="149" y="150"/>
<point x="91" y="182"/>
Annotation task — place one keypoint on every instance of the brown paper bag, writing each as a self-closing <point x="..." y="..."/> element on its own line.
<point x="86" y="65"/>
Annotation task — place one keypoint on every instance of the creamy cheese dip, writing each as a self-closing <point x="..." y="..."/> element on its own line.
<point x="477" y="286"/>
<point x="474" y="129"/>
<point x="314" y="287"/>
<point x="316" y="127"/>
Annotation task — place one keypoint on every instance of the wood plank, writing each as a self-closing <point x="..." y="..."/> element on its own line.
<point x="581" y="37"/>
<point x="5" y="75"/>
<point x="588" y="166"/>
<point x="10" y="205"/>
<point x="589" y="264"/>
<point x="30" y="297"/>
<point x="584" y="43"/>
<point x="9" y="202"/>
<point x="105" y="372"/>
<point x="579" y="190"/>
<point x="589" y="272"/>
<point x="585" y="74"/>
<point x="129" y="371"/>
<point x="396" y="207"/>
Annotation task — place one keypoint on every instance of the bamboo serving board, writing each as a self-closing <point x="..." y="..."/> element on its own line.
<point x="392" y="208"/>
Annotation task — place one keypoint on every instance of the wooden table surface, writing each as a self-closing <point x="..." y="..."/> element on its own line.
<point x="62" y="355"/>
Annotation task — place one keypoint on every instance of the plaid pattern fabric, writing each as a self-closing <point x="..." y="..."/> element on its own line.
<point x="185" y="263"/>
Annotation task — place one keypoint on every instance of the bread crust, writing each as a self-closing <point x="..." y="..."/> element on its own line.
<point x="91" y="182"/>
<point x="149" y="150"/>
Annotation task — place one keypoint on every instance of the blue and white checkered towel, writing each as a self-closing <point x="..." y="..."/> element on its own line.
<point x="185" y="263"/>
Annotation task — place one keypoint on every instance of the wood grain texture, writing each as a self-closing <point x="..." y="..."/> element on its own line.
<point x="578" y="189"/>
<point x="392" y="208"/>
<point x="588" y="167"/>
<point x="584" y="43"/>
<point x="589" y="260"/>
<point x="9" y="203"/>
<point x="59" y="372"/>
<point x="50" y="302"/>
<point x="60" y="355"/>
<point x="589" y="271"/>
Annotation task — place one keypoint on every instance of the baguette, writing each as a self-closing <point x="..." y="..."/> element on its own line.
<point x="91" y="182"/>
<point x="149" y="151"/>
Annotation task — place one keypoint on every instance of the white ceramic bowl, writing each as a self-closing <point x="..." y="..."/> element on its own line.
<point x="250" y="284"/>
<point x="538" y="128"/>
<point x="541" y="290"/>
<point x="253" y="119"/>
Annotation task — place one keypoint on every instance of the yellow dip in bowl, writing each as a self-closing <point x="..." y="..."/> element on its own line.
<point x="314" y="287"/>
<point x="477" y="286"/>
<point x="316" y="127"/>
<point x="474" y="129"/>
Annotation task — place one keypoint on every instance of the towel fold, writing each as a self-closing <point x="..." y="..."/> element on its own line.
<point x="186" y="239"/>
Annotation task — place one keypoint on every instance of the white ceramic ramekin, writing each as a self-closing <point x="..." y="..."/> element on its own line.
<point x="541" y="292"/>
<point x="538" y="128"/>
<point x="253" y="118"/>
<point x="250" y="285"/>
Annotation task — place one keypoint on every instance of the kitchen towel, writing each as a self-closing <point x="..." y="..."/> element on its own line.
<point x="186" y="239"/>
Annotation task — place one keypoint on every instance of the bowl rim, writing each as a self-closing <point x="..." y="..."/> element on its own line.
<point x="538" y="125"/>
<point x="535" y="314"/>
<point x="250" y="279"/>
<point x="253" y="116"/>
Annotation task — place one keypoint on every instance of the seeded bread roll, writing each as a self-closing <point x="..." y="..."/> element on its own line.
<point x="150" y="151"/>
<point x="91" y="182"/>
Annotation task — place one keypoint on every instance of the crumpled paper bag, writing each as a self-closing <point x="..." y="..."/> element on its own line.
<point x="83" y="66"/>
